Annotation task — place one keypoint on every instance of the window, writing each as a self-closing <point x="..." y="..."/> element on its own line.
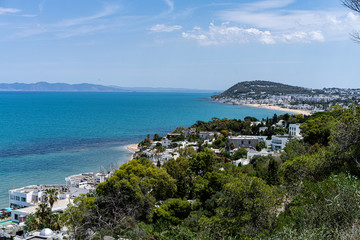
<point x="249" y="142"/>
<point x="23" y="199"/>
<point x="16" y="217"/>
<point x="242" y="142"/>
<point x="17" y="198"/>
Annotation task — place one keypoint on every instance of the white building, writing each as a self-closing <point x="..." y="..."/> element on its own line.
<point x="34" y="194"/>
<point x="19" y="215"/>
<point x="166" y="142"/>
<point x="244" y="141"/>
<point x="262" y="129"/>
<point x="281" y="123"/>
<point x="206" y="135"/>
<point x="279" y="142"/>
<point x="86" y="180"/>
<point x="252" y="153"/>
<point x="294" y="129"/>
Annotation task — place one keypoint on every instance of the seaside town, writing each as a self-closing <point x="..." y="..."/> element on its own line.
<point x="26" y="201"/>
<point x="301" y="100"/>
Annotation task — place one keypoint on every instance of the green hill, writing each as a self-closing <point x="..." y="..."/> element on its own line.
<point x="259" y="87"/>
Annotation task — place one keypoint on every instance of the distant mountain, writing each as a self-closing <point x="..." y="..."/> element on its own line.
<point x="86" y="87"/>
<point x="259" y="87"/>
<point x="57" y="87"/>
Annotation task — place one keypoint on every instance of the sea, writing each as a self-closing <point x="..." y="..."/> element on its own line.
<point x="45" y="137"/>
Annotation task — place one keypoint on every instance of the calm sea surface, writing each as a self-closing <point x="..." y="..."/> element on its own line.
<point x="45" y="137"/>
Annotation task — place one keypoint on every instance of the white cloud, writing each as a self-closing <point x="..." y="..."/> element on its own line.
<point x="107" y="11"/>
<point x="8" y="10"/>
<point x="224" y="34"/>
<point x="268" y="4"/>
<point x="164" y="28"/>
<point x="270" y="22"/>
<point x="170" y="4"/>
<point x="73" y="27"/>
<point x="307" y="25"/>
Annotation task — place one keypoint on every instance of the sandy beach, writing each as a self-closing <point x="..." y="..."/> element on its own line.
<point x="132" y="148"/>
<point x="298" y="111"/>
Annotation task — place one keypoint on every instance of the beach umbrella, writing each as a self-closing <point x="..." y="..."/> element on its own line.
<point x="9" y="209"/>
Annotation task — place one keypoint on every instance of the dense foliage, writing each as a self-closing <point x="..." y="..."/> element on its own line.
<point x="310" y="191"/>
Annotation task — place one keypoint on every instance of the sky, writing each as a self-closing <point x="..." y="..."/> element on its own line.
<point x="179" y="44"/>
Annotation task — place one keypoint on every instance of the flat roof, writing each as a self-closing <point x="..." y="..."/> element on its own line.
<point x="58" y="205"/>
<point x="37" y="188"/>
<point x="244" y="137"/>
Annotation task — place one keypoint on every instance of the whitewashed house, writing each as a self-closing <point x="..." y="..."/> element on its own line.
<point x="20" y="215"/>
<point x="279" y="142"/>
<point x="206" y="135"/>
<point x="34" y="194"/>
<point x="294" y="129"/>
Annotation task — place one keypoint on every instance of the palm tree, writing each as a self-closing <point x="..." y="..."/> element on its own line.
<point x="42" y="215"/>
<point x="51" y="196"/>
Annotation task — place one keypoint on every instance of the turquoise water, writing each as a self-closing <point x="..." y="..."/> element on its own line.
<point x="45" y="137"/>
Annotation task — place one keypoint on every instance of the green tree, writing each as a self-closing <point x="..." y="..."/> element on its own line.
<point x="144" y="177"/>
<point x="246" y="210"/>
<point x="179" y="169"/>
<point x="241" y="153"/>
<point x="202" y="162"/>
<point x="272" y="174"/>
<point x="40" y="219"/>
<point x="275" y="118"/>
<point x="318" y="130"/>
<point x="345" y="139"/>
<point x="51" y="196"/>
<point x="157" y="137"/>
<point x="332" y="204"/>
<point x="294" y="148"/>
<point x="172" y="212"/>
<point x="260" y="146"/>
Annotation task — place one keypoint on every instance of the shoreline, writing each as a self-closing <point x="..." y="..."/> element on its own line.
<point x="272" y="107"/>
<point x="132" y="148"/>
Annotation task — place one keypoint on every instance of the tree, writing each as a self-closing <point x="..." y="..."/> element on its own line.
<point x="246" y="209"/>
<point x="157" y="137"/>
<point x="272" y="175"/>
<point x="179" y="170"/>
<point x="345" y="139"/>
<point x="144" y="177"/>
<point x="51" y="196"/>
<point x="241" y="153"/>
<point x="294" y="148"/>
<point x="317" y="130"/>
<point x="332" y="203"/>
<point x="202" y="162"/>
<point x="40" y="219"/>
<point x="260" y="146"/>
<point x="172" y="212"/>
<point x="275" y="118"/>
<point x="224" y="133"/>
<point x="355" y="6"/>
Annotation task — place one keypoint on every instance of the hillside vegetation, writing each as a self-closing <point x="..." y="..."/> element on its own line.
<point x="259" y="87"/>
<point x="310" y="191"/>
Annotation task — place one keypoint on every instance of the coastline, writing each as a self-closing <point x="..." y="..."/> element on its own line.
<point x="272" y="107"/>
<point x="132" y="148"/>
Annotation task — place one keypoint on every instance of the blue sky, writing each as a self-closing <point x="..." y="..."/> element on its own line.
<point x="173" y="43"/>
